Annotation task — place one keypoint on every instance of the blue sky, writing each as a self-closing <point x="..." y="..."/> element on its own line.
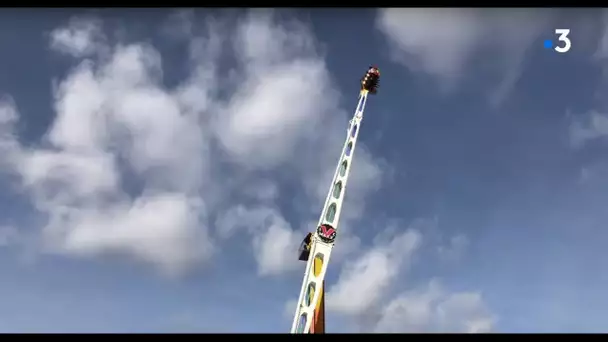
<point x="159" y="169"/>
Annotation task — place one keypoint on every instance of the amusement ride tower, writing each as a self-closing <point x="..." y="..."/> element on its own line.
<point x="310" y="312"/>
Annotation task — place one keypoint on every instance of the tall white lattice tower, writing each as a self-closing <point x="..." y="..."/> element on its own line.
<point x="309" y="316"/>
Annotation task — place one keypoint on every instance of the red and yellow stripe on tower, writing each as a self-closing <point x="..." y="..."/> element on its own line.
<point x="318" y="323"/>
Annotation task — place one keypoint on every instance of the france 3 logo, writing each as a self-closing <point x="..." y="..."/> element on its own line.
<point x="563" y="43"/>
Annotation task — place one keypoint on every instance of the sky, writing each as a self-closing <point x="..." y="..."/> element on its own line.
<point x="159" y="168"/>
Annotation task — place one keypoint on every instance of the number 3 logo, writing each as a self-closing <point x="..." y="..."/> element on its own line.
<point x="563" y="37"/>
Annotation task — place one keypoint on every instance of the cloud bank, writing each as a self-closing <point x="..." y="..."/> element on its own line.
<point x="167" y="175"/>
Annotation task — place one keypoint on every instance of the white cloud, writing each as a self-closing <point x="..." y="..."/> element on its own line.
<point x="432" y="309"/>
<point x="602" y="46"/>
<point x="443" y="49"/>
<point x="130" y="167"/>
<point x="110" y="113"/>
<point x="254" y="121"/>
<point x="163" y="229"/>
<point x="455" y="248"/>
<point x="179" y="25"/>
<point x="274" y="248"/>
<point x="79" y="39"/>
<point x="8" y="141"/>
<point x="594" y="123"/>
<point x="363" y="281"/>
<point x="365" y="291"/>
<point x="587" y="127"/>
<point x="465" y="39"/>
<point x="255" y="127"/>
<point x="8" y="235"/>
<point x="274" y="241"/>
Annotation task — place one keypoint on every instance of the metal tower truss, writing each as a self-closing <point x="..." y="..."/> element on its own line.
<point x="316" y="247"/>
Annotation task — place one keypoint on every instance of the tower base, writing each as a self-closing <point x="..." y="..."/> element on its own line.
<point x="318" y="324"/>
